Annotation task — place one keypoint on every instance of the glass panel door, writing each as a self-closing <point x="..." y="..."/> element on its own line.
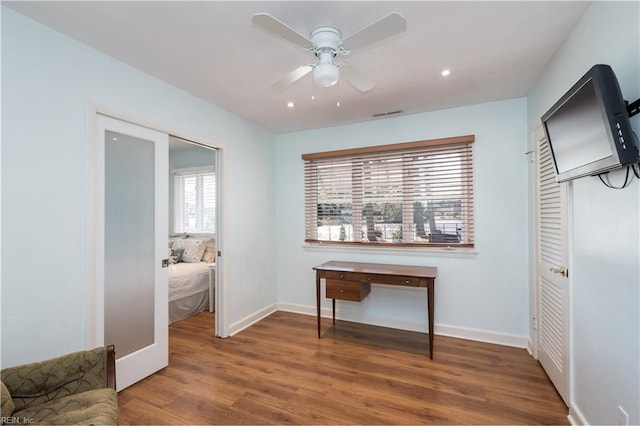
<point x="132" y="241"/>
<point x="129" y="283"/>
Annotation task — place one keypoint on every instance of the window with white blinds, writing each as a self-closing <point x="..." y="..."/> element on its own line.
<point x="414" y="194"/>
<point x="194" y="194"/>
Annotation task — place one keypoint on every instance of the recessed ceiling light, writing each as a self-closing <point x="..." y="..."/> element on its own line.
<point x="290" y="104"/>
<point x="445" y="72"/>
<point x="114" y="138"/>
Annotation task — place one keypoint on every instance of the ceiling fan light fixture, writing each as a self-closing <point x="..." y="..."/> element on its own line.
<point x="326" y="43"/>
<point x="326" y="75"/>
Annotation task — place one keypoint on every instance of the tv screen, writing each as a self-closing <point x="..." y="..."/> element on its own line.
<point x="588" y="129"/>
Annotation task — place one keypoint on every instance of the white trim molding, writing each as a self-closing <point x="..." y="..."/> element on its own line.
<point x="575" y="416"/>
<point x="251" y="319"/>
<point x="467" y="333"/>
<point x="530" y="347"/>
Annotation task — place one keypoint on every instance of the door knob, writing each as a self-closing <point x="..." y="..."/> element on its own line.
<point x="561" y="270"/>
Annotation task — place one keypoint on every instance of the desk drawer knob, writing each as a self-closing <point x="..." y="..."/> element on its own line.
<point x="341" y="276"/>
<point x="341" y="290"/>
<point x="407" y="281"/>
<point x="368" y="279"/>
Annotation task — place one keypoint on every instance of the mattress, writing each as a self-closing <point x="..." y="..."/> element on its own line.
<point x="187" y="279"/>
<point x="188" y="289"/>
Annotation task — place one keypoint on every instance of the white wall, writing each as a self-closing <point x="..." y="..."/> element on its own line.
<point x="487" y="291"/>
<point x="606" y="228"/>
<point x="47" y="81"/>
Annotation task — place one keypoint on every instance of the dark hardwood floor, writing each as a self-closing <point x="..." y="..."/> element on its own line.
<point x="278" y="372"/>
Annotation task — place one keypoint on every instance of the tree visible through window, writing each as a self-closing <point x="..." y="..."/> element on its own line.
<point x="415" y="193"/>
<point x="194" y="200"/>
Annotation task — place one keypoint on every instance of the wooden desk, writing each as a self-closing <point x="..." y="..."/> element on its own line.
<point x="352" y="281"/>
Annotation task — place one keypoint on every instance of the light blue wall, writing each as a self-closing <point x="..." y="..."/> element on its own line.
<point x="47" y="81"/>
<point x="193" y="157"/>
<point x="606" y="227"/>
<point x="487" y="291"/>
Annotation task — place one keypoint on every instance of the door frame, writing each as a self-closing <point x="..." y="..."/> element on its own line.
<point x="221" y="291"/>
<point x="93" y="109"/>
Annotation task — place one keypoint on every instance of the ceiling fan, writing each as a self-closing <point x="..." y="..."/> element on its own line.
<point x="327" y="43"/>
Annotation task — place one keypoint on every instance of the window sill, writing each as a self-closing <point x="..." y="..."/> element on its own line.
<point x="390" y="250"/>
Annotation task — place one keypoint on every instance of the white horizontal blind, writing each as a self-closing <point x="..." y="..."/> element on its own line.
<point x="415" y="193"/>
<point x="194" y="201"/>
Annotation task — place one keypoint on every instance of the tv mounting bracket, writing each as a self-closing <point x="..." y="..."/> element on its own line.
<point x="633" y="108"/>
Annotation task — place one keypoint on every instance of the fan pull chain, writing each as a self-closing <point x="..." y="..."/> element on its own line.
<point x="313" y="96"/>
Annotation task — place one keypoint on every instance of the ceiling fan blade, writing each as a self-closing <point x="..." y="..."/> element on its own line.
<point x="276" y="27"/>
<point x="356" y="79"/>
<point x="386" y="27"/>
<point x="290" y="78"/>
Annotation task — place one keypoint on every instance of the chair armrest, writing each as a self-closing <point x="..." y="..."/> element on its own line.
<point x="38" y="382"/>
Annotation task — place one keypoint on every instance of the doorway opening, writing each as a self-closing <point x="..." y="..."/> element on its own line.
<point x="193" y="221"/>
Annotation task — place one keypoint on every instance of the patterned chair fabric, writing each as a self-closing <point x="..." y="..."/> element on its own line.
<point x="71" y="389"/>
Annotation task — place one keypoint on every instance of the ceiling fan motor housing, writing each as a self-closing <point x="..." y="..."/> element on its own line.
<point x="326" y="39"/>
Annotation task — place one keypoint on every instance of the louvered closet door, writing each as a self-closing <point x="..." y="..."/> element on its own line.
<point x="552" y="274"/>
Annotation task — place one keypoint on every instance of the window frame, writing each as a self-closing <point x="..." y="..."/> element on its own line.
<point x="467" y="203"/>
<point x="178" y="200"/>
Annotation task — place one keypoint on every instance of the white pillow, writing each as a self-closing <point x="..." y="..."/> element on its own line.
<point x="174" y="238"/>
<point x="209" y="255"/>
<point x="193" y="249"/>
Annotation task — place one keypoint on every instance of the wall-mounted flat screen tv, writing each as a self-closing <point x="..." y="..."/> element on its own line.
<point x="588" y="129"/>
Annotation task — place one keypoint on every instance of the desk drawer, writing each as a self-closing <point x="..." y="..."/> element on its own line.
<point x="399" y="280"/>
<point x="346" y="276"/>
<point x="373" y="278"/>
<point x="347" y="290"/>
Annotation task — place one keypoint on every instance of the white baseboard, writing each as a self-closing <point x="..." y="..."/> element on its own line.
<point x="439" y="329"/>
<point x="249" y="320"/>
<point x="303" y="309"/>
<point x="530" y="348"/>
<point x="575" y="416"/>
<point x="486" y="336"/>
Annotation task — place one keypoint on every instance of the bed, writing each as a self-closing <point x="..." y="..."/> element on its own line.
<point x="191" y="277"/>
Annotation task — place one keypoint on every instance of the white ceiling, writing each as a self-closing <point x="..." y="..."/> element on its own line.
<point x="496" y="50"/>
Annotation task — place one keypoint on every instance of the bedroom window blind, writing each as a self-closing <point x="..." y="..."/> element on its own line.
<point x="412" y="194"/>
<point x="194" y="200"/>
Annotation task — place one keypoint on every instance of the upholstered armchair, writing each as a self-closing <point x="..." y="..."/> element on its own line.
<point x="78" y="388"/>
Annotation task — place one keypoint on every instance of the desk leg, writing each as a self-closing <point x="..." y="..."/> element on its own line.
<point x="430" y="291"/>
<point x="333" y="301"/>
<point x="318" y="299"/>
